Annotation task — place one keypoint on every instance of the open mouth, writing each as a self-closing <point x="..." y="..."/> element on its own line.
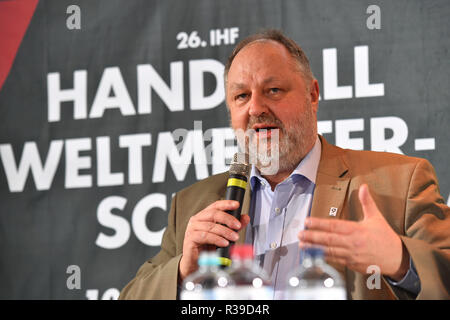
<point x="266" y="127"/>
<point x="266" y="131"/>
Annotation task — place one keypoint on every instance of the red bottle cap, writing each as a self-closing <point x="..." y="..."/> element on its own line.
<point x="242" y="251"/>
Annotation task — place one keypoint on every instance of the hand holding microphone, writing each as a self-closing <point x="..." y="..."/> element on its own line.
<point x="236" y="185"/>
<point x="218" y="224"/>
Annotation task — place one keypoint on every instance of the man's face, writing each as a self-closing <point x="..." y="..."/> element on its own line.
<point x="265" y="89"/>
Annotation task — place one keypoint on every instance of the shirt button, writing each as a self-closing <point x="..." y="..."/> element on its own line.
<point x="273" y="245"/>
<point x="277" y="210"/>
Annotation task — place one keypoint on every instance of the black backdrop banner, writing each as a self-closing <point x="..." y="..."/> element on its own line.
<point x="109" y="107"/>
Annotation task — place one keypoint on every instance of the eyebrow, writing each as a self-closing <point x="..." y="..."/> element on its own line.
<point x="237" y="86"/>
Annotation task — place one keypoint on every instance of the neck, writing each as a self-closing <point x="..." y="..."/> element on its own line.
<point x="277" y="178"/>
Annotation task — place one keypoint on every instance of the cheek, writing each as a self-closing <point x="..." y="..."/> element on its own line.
<point x="290" y="111"/>
<point x="239" y="119"/>
<point x="284" y="114"/>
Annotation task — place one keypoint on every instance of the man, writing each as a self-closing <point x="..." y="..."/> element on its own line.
<point x="368" y="209"/>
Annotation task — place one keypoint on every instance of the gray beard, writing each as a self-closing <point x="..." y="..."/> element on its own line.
<point x="273" y="155"/>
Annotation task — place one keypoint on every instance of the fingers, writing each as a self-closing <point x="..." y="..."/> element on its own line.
<point x="245" y="220"/>
<point x="330" y="225"/>
<point x="338" y="255"/>
<point x="212" y="233"/>
<point x="216" y="213"/>
<point x="214" y="226"/>
<point x="322" y="238"/>
<point x="331" y="235"/>
<point x="210" y="227"/>
<point x="224" y="205"/>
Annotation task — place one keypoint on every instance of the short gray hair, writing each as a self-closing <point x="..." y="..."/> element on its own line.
<point x="274" y="35"/>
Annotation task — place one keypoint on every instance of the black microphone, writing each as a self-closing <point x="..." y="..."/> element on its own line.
<point x="237" y="183"/>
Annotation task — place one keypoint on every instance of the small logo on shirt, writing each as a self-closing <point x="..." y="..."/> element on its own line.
<point x="333" y="211"/>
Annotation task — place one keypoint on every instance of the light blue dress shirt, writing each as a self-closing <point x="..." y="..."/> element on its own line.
<point x="277" y="216"/>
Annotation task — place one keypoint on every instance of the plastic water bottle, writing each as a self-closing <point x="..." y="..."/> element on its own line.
<point x="249" y="282"/>
<point x="315" y="279"/>
<point x="208" y="282"/>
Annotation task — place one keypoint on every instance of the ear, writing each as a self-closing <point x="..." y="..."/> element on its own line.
<point x="314" y="92"/>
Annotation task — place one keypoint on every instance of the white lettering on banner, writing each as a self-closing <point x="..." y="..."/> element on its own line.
<point x="134" y="143"/>
<point x="78" y="95"/>
<point x="190" y="41"/>
<point x="197" y="68"/>
<point x="138" y="218"/>
<point x="181" y="155"/>
<point x="343" y="129"/>
<point x="331" y="90"/>
<point x="362" y="86"/>
<point x="16" y="175"/>
<point x="104" y="175"/>
<point x="217" y="37"/>
<point x="110" y="294"/>
<point x="378" y="128"/>
<point x="75" y="162"/>
<point x="112" y="80"/>
<point x="324" y="127"/>
<point x="120" y="225"/>
<point x="227" y="36"/>
<point x="149" y="79"/>
<point x="424" y="144"/>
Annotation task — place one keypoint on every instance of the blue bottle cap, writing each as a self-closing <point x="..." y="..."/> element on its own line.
<point x="314" y="252"/>
<point x="206" y="259"/>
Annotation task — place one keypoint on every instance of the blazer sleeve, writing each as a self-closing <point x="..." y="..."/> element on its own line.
<point x="158" y="277"/>
<point x="427" y="232"/>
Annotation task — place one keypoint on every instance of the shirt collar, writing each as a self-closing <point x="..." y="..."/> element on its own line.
<point x="306" y="168"/>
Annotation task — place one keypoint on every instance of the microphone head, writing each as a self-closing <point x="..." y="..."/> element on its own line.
<point x="240" y="164"/>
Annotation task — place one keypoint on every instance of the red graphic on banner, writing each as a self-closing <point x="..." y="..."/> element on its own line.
<point x="15" y="16"/>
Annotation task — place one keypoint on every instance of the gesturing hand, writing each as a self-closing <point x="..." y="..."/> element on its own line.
<point x="211" y="226"/>
<point x="358" y="245"/>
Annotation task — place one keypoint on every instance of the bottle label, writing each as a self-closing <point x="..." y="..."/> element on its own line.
<point x="250" y="293"/>
<point x="318" y="294"/>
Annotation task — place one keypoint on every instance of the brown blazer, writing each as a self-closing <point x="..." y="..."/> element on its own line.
<point x="404" y="188"/>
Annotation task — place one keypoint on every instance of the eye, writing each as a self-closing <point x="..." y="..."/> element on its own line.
<point x="274" y="90"/>
<point x="241" y="96"/>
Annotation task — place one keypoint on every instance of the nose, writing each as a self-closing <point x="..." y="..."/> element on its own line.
<point x="257" y="105"/>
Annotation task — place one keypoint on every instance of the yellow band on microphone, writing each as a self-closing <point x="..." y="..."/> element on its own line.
<point x="225" y="261"/>
<point x="237" y="183"/>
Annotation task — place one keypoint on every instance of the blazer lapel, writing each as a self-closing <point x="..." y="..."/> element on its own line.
<point x="331" y="187"/>
<point x="331" y="183"/>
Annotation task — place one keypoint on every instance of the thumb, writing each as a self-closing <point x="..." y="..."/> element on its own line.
<point x="369" y="207"/>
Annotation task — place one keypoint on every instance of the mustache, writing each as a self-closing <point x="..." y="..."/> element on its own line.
<point x="264" y="118"/>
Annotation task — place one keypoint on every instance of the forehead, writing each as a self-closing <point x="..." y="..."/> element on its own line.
<point x="262" y="60"/>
